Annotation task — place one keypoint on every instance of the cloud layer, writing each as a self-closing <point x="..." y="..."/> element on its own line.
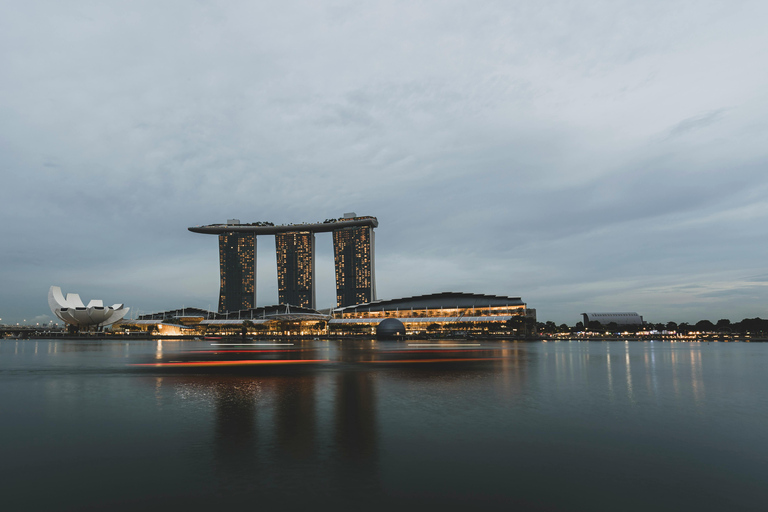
<point x="584" y="156"/>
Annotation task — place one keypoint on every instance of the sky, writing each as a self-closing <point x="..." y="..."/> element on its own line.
<point x="584" y="156"/>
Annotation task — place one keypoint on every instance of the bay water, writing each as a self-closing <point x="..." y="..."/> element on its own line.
<point x="568" y="425"/>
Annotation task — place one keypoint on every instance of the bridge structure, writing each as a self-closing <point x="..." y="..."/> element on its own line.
<point x="353" y="248"/>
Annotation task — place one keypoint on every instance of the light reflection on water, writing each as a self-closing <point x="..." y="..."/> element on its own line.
<point x="559" y="426"/>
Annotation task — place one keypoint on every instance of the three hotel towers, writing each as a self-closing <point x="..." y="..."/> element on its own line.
<point x="353" y="251"/>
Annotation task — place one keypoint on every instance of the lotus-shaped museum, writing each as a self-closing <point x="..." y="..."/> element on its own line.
<point x="72" y="310"/>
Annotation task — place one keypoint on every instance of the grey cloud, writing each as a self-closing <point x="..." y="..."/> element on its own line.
<point x="763" y="278"/>
<point x="749" y="293"/>
<point x="527" y="149"/>
<point x="697" y="122"/>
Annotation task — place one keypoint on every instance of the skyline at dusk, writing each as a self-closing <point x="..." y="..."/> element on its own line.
<point x="599" y="156"/>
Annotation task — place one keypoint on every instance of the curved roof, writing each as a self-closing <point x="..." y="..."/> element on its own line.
<point x="317" y="227"/>
<point x="274" y="312"/>
<point x="178" y="313"/>
<point x="447" y="300"/>
<point x="423" y="320"/>
<point x="71" y="309"/>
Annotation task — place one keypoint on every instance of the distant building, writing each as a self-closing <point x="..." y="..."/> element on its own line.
<point x="617" y="318"/>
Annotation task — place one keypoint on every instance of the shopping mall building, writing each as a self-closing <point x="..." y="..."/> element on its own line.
<point x="438" y="312"/>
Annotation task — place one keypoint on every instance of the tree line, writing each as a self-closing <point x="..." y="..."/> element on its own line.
<point x="754" y="326"/>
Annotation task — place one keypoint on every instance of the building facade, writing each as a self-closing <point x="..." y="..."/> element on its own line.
<point x="353" y="253"/>
<point x="296" y="268"/>
<point x="353" y="240"/>
<point x="237" y="271"/>
<point x="454" y="311"/>
<point x="77" y="315"/>
<point x="448" y="314"/>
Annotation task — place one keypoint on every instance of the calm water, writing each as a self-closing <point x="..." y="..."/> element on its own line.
<point x="542" y="426"/>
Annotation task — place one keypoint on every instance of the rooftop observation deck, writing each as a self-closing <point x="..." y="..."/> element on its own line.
<point x="267" y="228"/>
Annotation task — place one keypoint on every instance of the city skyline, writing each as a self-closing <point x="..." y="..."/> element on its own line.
<point x="599" y="156"/>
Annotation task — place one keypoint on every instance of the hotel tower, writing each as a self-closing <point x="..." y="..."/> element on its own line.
<point x="353" y="251"/>
<point x="296" y="268"/>
<point x="237" y="271"/>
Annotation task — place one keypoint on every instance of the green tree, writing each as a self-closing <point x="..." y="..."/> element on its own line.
<point x="723" y="325"/>
<point x="752" y="326"/>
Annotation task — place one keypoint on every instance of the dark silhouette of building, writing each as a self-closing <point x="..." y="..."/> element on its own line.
<point x="622" y="319"/>
<point x="236" y="269"/>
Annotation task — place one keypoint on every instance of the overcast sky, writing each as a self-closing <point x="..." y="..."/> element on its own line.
<point x="584" y="156"/>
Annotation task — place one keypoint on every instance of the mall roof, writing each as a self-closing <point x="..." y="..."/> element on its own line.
<point x="445" y="300"/>
<point x="274" y="312"/>
<point x="424" y="320"/>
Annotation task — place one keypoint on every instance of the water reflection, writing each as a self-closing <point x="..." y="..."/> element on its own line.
<point x="366" y="422"/>
<point x="271" y="430"/>
<point x="295" y="417"/>
<point x="628" y="370"/>
<point x="355" y="430"/>
<point x="625" y="371"/>
<point x="696" y="377"/>
<point x="235" y="431"/>
<point x="513" y="372"/>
